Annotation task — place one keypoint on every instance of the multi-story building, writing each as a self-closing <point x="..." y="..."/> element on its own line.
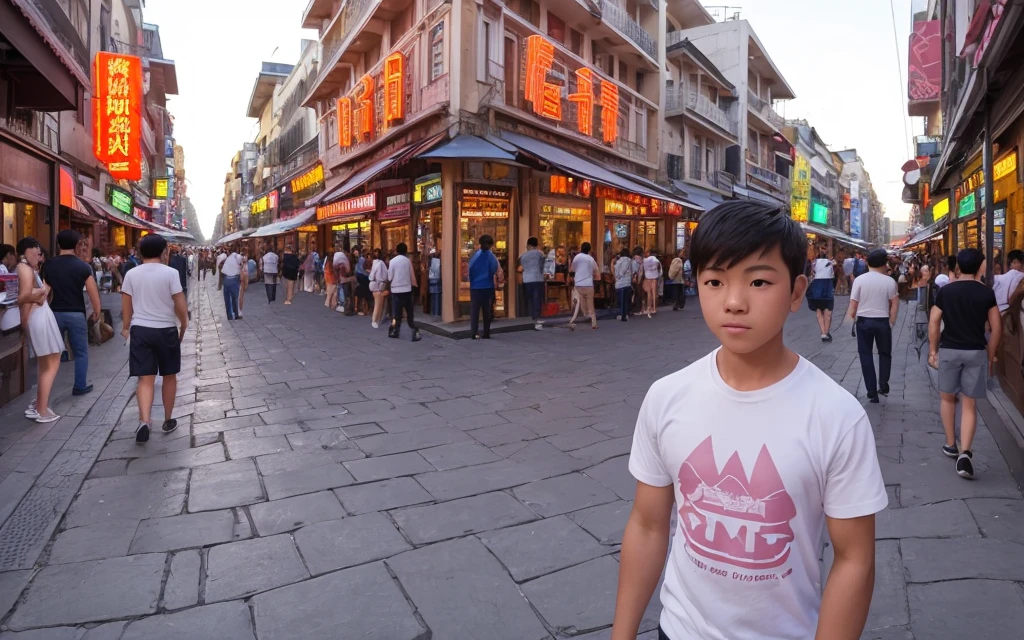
<point x="443" y="121"/>
<point x="865" y="212"/>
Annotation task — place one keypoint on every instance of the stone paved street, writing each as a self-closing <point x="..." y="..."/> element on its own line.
<point x="327" y="482"/>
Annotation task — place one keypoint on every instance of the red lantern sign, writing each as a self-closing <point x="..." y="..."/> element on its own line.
<point x="117" y="114"/>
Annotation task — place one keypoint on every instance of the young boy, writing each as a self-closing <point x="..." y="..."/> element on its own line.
<point x="958" y="349"/>
<point x="760" y="451"/>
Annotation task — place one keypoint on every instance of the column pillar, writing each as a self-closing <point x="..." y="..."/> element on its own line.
<point x="450" y="171"/>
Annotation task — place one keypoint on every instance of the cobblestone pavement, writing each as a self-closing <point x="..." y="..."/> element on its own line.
<point x="327" y="482"/>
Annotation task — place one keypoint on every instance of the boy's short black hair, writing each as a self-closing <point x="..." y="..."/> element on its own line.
<point x="26" y="243"/>
<point x="732" y="231"/>
<point x="402" y="249"/>
<point x="1017" y="255"/>
<point x="532" y="242"/>
<point x="486" y="241"/>
<point x="877" y="258"/>
<point x="585" y="247"/>
<point x="970" y="260"/>
<point x="152" y="246"/>
<point x="68" y="239"/>
<point x="6" y="250"/>
<point x="951" y="263"/>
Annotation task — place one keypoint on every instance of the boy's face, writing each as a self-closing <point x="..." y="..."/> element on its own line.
<point x="746" y="305"/>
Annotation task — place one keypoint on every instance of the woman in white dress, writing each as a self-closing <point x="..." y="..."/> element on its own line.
<point x="40" y="327"/>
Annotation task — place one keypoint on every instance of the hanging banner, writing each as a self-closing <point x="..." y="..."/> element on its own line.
<point x="800" y="197"/>
<point x="855" y="209"/>
<point x="117" y="114"/>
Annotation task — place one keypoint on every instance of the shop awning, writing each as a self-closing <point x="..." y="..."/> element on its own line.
<point x="835" y="234"/>
<point x="931" y="232"/>
<point x="103" y="210"/>
<point x="468" y="147"/>
<point x="358" y="179"/>
<point x="574" y="164"/>
<point x="706" y="199"/>
<point x="173" y="235"/>
<point x="752" y="193"/>
<point x="237" y="235"/>
<point x="286" y="226"/>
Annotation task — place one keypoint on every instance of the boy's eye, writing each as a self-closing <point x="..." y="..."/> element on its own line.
<point x="712" y="283"/>
<point x="759" y="283"/>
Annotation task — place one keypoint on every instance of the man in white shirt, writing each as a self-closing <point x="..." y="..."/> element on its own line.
<point x="221" y="257"/>
<point x="874" y="303"/>
<point x="848" y="264"/>
<point x="400" y="276"/>
<point x="343" y="277"/>
<point x="270" y="261"/>
<point x="231" y="274"/>
<point x="584" y="270"/>
<point x="154" y="315"/>
<point x="1005" y="284"/>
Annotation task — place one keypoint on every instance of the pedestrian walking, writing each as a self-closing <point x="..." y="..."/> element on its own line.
<point x="221" y="257"/>
<point x="8" y="258"/>
<point x="154" y="316"/>
<point x="177" y="262"/>
<point x="400" y="276"/>
<point x="584" y="271"/>
<point x="290" y="271"/>
<point x="343" y="275"/>
<point x="40" y="325"/>
<point x="1005" y="284"/>
<point x="309" y="270"/>
<point x="270" y="260"/>
<point x="249" y="274"/>
<point x="754" y="453"/>
<point x="532" y="264"/>
<point x="652" y="273"/>
<point x="848" y="266"/>
<point x="947" y="272"/>
<point x="957" y="348"/>
<point x="483" y="275"/>
<point x="821" y="292"/>
<point x="231" y="270"/>
<point x="677" y="282"/>
<point x="434" y="282"/>
<point x="67" y="276"/>
<point x="874" y="303"/>
<point x="331" y="300"/>
<point x="378" y="287"/>
<point x="625" y="272"/>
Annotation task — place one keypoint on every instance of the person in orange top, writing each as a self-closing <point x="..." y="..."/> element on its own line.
<point x="332" y="285"/>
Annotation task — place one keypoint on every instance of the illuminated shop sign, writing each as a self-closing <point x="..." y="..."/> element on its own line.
<point x="940" y="209"/>
<point x="120" y="199"/>
<point x="309" y="179"/>
<point x="428" y="189"/>
<point x="567" y="213"/>
<point x="396" y="207"/>
<point x="819" y="213"/>
<point x="800" y="196"/>
<point x="546" y="96"/>
<point x="484" y="203"/>
<point x="1002" y="168"/>
<point x="967" y="206"/>
<point x="161" y="186"/>
<point x="142" y="214"/>
<point x="117" y="114"/>
<point x="357" y="117"/>
<point x="566" y="185"/>
<point x="261" y="204"/>
<point x="624" y="203"/>
<point x="351" y="206"/>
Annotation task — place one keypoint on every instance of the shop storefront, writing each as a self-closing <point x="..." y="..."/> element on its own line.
<point x="426" y="202"/>
<point x="26" y="184"/>
<point x="1007" y="207"/>
<point x="347" y="222"/>
<point x="483" y="210"/>
<point x="565" y="216"/>
<point x="633" y="221"/>
<point x="394" y="217"/>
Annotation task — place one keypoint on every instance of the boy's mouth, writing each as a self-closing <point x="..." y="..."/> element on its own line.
<point x="735" y="328"/>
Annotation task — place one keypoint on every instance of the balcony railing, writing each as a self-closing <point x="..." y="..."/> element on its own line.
<point x="351" y="15"/>
<point x="769" y="177"/>
<point x="684" y="98"/>
<point x="765" y="110"/>
<point x="617" y="17"/>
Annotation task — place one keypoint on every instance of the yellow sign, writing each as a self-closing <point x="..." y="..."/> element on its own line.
<point x="160" y="188"/>
<point x="1005" y="167"/>
<point x="940" y="209"/>
<point x="312" y="177"/>
<point x="800" y="196"/>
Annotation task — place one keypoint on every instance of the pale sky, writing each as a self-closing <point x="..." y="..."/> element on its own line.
<point x="839" y="57"/>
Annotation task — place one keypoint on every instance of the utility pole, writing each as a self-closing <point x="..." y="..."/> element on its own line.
<point x="986" y="161"/>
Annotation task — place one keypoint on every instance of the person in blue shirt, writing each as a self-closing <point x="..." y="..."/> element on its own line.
<point x="483" y="268"/>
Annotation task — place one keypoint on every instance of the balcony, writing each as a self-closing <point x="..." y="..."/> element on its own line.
<point x="347" y="32"/>
<point x="765" y="111"/>
<point x="315" y="13"/>
<point x="684" y="99"/>
<point x="617" y="18"/>
<point x="768" y="178"/>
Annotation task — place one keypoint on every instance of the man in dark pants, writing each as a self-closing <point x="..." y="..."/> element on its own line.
<point x="532" y="262"/>
<point x="401" y="277"/>
<point x="874" y="303"/>
<point x="483" y="268"/>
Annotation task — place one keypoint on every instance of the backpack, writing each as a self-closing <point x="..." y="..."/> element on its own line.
<point x="860" y="267"/>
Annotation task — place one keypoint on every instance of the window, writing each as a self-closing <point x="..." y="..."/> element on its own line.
<point x="695" y="159"/>
<point x="640" y="81"/>
<point x="556" y="28"/>
<point x="640" y="127"/>
<point x="752" y="147"/>
<point x="713" y="94"/>
<point x="529" y="10"/>
<point x="576" y="42"/>
<point x="675" y="167"/>
<point x="710" y="153"/>
<point x="437" y="51"/>
<point x="511" y="67"/>
<point x="623" y="72"/>
<point x="484" y="48"/>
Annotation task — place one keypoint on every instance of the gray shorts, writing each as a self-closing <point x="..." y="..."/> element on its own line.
<point x="962" y="371"/>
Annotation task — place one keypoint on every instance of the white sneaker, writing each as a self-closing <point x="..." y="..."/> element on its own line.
<point x="239" y="316"/>
<point x="339" y="309"/>
<point x="375" y="325"/>
<point x="538" y="326"/>
<point x="50" y="417"/>
<point x="31" y="412"/>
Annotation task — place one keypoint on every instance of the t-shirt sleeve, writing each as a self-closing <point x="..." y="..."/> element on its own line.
<point x="990" y="299"/>
<point x="853" y="479"/>
<point x="855" y="291"/>
<point x="175" y="282"/>
<point x="645" y="461"/>
<point x="126" y="284"/>
<point x="939" y="298"/>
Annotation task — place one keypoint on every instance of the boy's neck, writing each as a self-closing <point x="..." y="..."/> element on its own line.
<point x="760" y="368"/>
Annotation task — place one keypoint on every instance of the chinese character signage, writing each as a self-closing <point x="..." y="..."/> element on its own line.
<point x="394" y="89"/>
<point x="311" y="178"/>
<point x="925" y="60"/>
<point x="120" y="199"/>
<point x="800" y="198"/>
<point x="342" y="208"/>
<point x="357" y="116"/>
<point x="117" y="114"/>
<point x="819" y="213"/>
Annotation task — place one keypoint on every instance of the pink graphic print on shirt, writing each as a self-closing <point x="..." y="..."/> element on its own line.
<point x="729" y="517"/>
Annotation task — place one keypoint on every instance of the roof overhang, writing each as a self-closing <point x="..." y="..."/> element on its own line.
<point x="168" y="74"/>
<point x="48" y="80"/>
<point x="760" y="59"/>
<point x="687" y="48"/>
<point x="262" y="92"/>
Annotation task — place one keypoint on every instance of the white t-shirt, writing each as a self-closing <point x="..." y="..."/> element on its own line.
<point x="583" y="266"/>
<point x="232" y="266"/>
<point x="400" y="274"/>
<point x="848" y="265"/>
<point x="823" y="269"/>
<point x="270" y="261"/>
<point x="221" y="257"/>
<point x="941" y="280"/>
<point x="872" y="291"/>
<point x="652" y="268"/>
<point x="1004" y="285"/>
<point x="754" y="475"/>
<point x="152" y="286"/>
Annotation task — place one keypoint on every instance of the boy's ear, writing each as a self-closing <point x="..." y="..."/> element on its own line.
<point x="799" y="290"/>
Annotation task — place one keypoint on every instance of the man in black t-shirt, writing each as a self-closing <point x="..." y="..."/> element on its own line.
<point x="67" y="275"/>
<point x="960" y="352"/>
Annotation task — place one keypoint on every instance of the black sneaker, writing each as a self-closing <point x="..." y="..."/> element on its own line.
<point x="964" y="467"/>
<point x="951" y="452"/>
<point x="142" y="434"/>
<point x="416" y="336"/>
<point x="873" y="399"/>
<point x="884" y="390"/>
<point x="169" y="425"/>
<point x="828" y="337"/>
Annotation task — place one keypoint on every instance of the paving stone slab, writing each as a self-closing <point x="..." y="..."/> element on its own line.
<point x="364" y="601"/>
<point x="227" y="424"/>
<point x="182" y="588"/>
<point x="247" y="445"/>
<point x="605" y="450"/>
<point x="537" y="548"/>
<point x="381" y="468"/>
<point x="458" y="454"/>
<point x="984" y="558"/>
<point x="478" y="598"/>
<point x="184" y="459"/>
<point x="240" y="569"/>
<point x="339" y="544"/>
<point x="606" y="522"/>
<point x="91" y="591"/>
<point x="995" y="609"/>
<point x="615" y="475"/>
<point x="458" y="408"/>
<point x="107" y="539"/>
<point x="12" y="583"/>
<point x="941" y="520"/>
<point x="223" y="621"/>
<point x="576" y="599"/>
<point x="502" y="434"/>
<point x="889" y="600"/>
<point x="390" y="443"/>
<point x="887" y="633"/>
<point x="561" y="494"/>
<point x="576" y="439"/>
<point x="287" y="514"/>
<point x="188" y="530"/>
<point x="129" y="449"/>
<point x="431" y="523"/>
<point x="306" y="480"/>
<point x="128" y="498"/>
<point x="225" y="484"/>
<point x="999" y="518"/>
<point x="322" y="439"/>
<point x="381" y="496"/>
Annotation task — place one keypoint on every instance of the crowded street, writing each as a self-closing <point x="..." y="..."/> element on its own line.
<point x="445" y="489"/>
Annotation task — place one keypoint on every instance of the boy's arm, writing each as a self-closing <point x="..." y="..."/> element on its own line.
<point x="934" y="330"/>
<point x="995" y="323"/>
<point x="847" y="596"/>
<point x="644" y="547"/>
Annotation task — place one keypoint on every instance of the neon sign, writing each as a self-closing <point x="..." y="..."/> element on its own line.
<point x="312" y="177"/>
<point x="394" y="88"/>
<point x="341" y="208"/>
<point x="357" y="117"/>
<point x="364" y="99"/>
<point x="345" y="122"/>
<point x="117" y="114"/>
<point x="584" y="99"/>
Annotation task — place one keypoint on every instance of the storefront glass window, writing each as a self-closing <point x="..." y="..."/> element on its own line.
<point x="482" y="211"/>
<point x="348" y="235"/>
<point x="564" y="227"/>
<point x="392" y="233"/>
<point x="10" y="232"/>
